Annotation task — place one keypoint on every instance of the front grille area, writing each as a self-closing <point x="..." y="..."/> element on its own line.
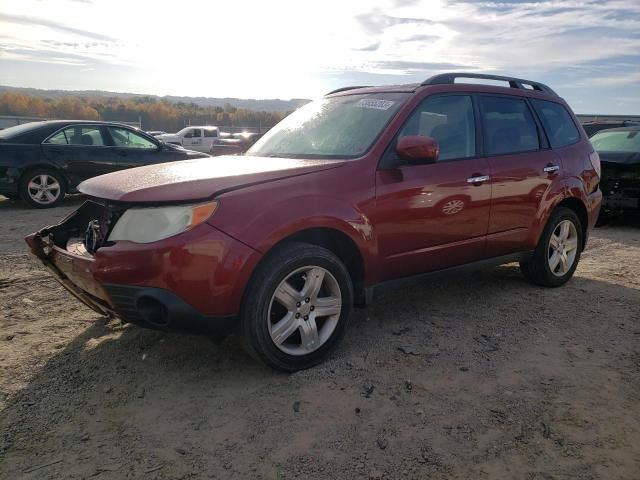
<point x="91" y="223"/>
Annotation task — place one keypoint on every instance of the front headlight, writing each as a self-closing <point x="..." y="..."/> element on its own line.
<point x="150" y="224"/>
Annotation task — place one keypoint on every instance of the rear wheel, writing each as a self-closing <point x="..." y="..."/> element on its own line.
<point x="42" y="188"/>
<point x="558" y="252"/>
<point x="296" y="307"/>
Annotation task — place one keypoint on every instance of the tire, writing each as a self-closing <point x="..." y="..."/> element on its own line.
<point x="282" y="336"/>
<point x="34" y="195"/>
<point x="539" y="269"/>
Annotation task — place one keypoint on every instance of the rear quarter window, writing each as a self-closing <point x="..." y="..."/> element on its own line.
<point x="557" y="122"/>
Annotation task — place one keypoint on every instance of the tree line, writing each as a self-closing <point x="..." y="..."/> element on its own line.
<point x="154" y="113"/>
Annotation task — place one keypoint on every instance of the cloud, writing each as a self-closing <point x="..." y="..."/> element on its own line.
<point x="369" y="48"/>
<point x="621" y="79"/>
<point x="29" y="21"/>
<point x="405" y="66"/>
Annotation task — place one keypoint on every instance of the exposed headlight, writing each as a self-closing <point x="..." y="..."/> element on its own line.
<point x="150" y="224"/>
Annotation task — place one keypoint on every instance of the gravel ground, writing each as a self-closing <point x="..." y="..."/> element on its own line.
<point x="480" y="376"/>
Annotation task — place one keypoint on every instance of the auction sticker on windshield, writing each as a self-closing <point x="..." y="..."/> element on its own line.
<point x="374" y="103"/>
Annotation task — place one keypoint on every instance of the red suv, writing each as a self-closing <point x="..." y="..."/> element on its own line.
<point x="366" y="188"/>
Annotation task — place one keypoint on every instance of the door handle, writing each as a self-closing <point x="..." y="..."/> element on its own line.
<point x="478" y="179"/>
<point x="550" y="168"/>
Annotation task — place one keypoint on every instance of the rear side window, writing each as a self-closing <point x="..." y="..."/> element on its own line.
<point x="78" y="135"/>
<point x="508" y="126"/>
<point x="210" y="132"/>
<point x="557" y="123"/>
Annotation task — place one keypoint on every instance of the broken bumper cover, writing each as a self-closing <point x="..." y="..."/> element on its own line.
<point x="195" y="278"/>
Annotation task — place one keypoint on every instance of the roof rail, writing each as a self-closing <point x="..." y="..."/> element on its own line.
<point x="344" y="89"/>
<point x="448" y="78"/>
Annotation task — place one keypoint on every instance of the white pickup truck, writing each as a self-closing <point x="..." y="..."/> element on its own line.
<point x="193" y="138"/>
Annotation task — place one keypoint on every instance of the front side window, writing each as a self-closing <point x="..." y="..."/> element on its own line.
<point x="557" y="122"/>
<point x="335" y="127"/>
<point x="128" y="139"/>
<point x="508" y="125"/>
<point x="449" y="120"/>
<point x="617" y="141"/>
<point x="78" y="135"/>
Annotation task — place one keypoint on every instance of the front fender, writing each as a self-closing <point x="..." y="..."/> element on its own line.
<point x="263" y="215"/>
<point x="266" y="227"/>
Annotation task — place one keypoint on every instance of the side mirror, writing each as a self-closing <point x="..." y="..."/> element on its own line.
<point x="417" y="149"/>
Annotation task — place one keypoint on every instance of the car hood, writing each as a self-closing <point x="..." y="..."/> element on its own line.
<point x="620" y="158"/>
<point x="167" y="136"/>
<point x="182" y="152"/>
<point x="199" y="179"/>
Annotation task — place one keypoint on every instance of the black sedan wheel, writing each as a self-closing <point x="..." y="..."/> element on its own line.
<point x="42" y="188"/>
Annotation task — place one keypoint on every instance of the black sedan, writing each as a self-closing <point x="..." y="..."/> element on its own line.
<point x="42" y="161"/>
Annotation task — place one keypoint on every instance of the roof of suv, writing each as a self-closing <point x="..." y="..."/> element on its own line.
<point x="514" y="84"/>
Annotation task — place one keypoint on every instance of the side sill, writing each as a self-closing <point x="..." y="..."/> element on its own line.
<point x="374" y="291"/>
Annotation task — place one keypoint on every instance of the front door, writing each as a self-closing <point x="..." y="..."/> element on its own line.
<point x="129" y="149"/>
<point x="433" y="216"/>
<point x="193" y="140"/>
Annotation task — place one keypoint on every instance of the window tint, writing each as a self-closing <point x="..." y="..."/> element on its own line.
<point x="126" y="138"/>
<point x="509" y="126"/>
<point x="197" y="133"/>
<point x="87" y="136"/>
<point x="210" y="132"/>
<point x="557" y="123"/>
<point x="448" y="119"/>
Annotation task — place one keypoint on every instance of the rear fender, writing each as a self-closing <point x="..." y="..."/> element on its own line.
<point x="569" y="187"/>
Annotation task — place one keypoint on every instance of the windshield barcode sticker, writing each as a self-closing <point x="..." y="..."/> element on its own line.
<point x="374" y="103"/>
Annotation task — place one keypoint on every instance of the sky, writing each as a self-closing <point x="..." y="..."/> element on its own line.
<point x="589" y="52"/>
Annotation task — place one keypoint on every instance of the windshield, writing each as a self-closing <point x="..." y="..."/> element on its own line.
<point x="620" y="141"/>
<point x="338" y="127"/>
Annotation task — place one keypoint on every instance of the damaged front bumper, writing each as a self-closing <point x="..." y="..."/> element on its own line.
<point x="192" y="279"/>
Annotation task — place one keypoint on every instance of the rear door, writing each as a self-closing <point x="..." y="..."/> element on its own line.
<point x="432" y="216"/>
<point x="523" y="170"/>
<point x="210" y="135"/>
<point x="80" y="150"/>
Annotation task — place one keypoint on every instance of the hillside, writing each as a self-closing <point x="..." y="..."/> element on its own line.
<point x="264" y="105"/>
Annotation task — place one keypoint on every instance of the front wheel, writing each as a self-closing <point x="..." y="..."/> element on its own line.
<point x="296" y="307"/>
<point x="556" y="257"/>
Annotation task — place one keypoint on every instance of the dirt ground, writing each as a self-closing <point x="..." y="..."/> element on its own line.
<point x="481" y="376"/>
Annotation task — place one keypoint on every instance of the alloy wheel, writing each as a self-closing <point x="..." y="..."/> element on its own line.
<point x="43" y="189"/>
<point x="563" y="247"/>
<point x="304" y="310"/>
